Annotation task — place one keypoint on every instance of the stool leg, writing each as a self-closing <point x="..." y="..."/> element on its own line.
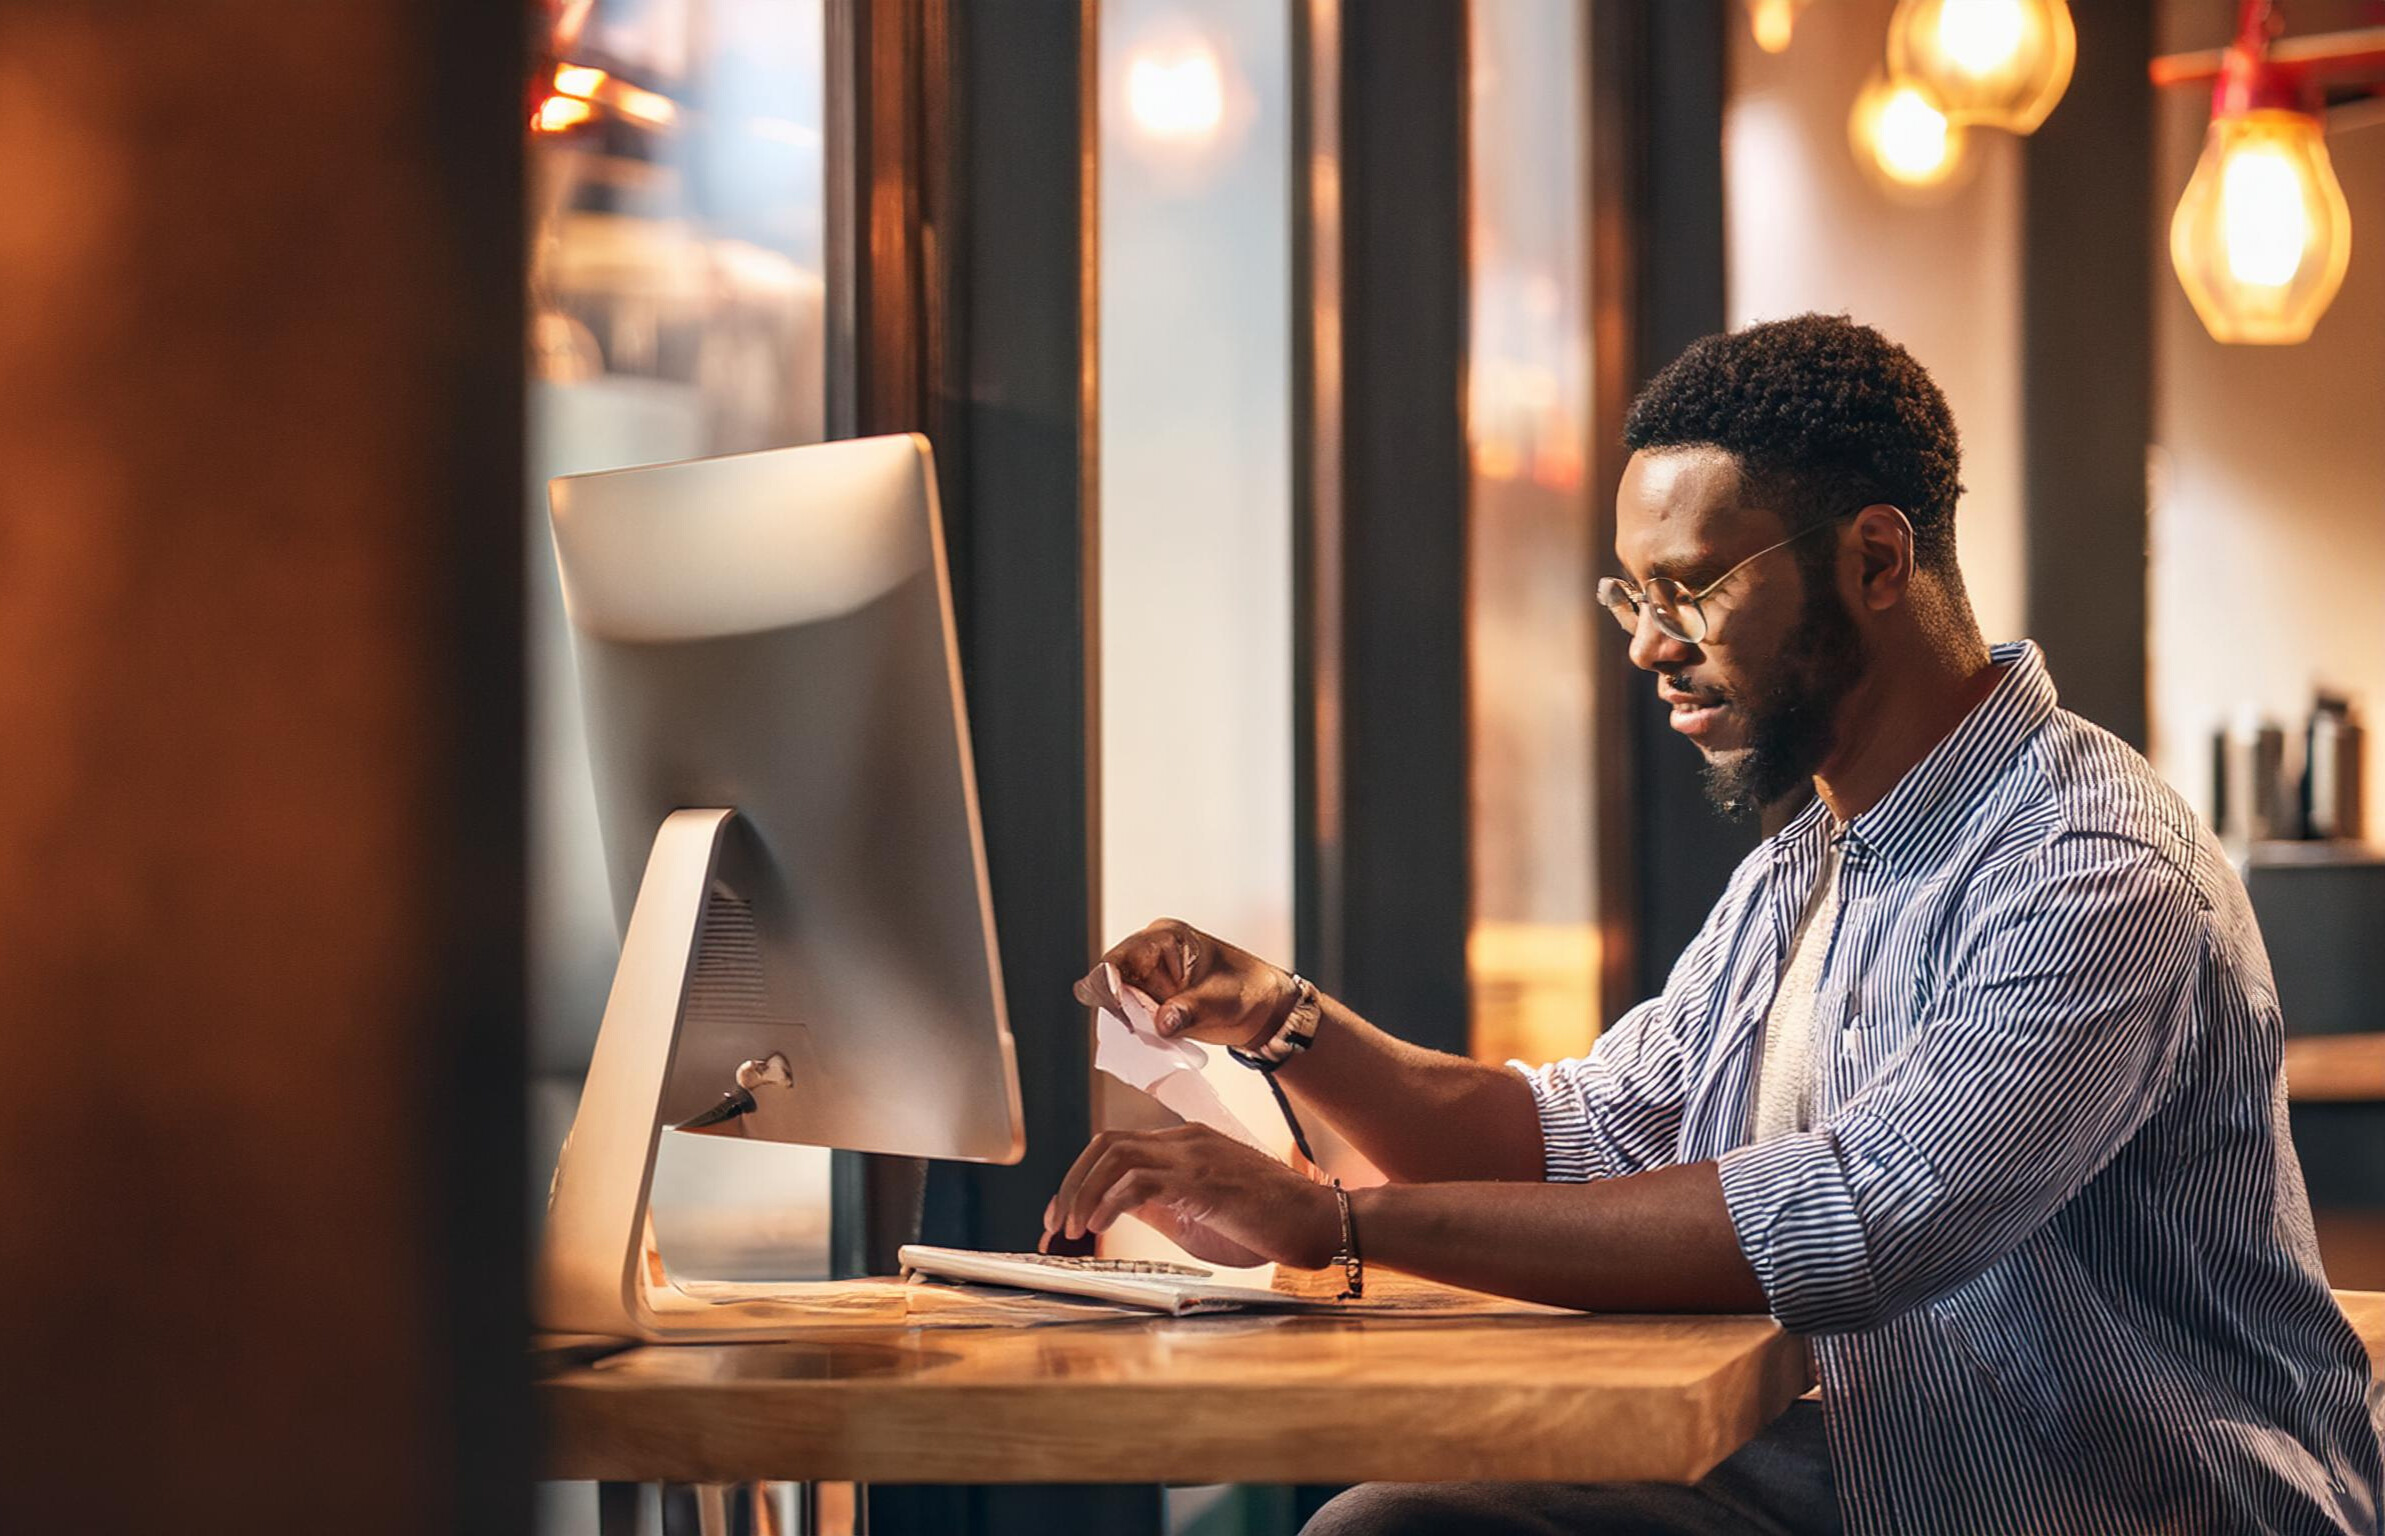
<point x="773" y="1509"/>
<point x="712" y="1509"/>
<point x="617" y="1509"/>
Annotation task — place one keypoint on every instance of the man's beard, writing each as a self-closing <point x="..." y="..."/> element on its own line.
<point x="1792" y="714"/>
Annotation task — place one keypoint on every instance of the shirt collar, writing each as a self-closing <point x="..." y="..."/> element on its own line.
<point x="1916" y="813"/>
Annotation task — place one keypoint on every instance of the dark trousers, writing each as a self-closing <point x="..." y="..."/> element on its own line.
<point x="1778" y="1484"/>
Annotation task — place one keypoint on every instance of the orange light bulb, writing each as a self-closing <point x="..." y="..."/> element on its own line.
<point x="2262" y="235"/>
<point x="1774" y="22"/>
<point x="1990" y="63"/>
<point x="1904" y="141"/>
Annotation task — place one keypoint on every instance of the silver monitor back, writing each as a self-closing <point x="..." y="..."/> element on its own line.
<point x="773" y="632"/>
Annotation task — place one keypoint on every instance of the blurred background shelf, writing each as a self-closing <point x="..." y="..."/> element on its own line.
<point x="2336" y="1069"/>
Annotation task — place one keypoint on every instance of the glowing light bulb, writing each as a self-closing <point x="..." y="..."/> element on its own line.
<point x="1980" y="37"/>
<point x="1177" y="97"/>
<point x="1903" y="139"/>
<point x="1912" y="137"/>
<point x="1989" y="63"/>
<point x="2261" y="213"/>
<point x="647" y="107"/>
<point x="557" y="113"/>
<point x="1774" y="22"/>
<point x="581" y="80"/>
<point x="2262" y="234"/>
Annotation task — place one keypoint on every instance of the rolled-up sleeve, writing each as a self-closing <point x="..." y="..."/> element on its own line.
<point x="2052" y="1040"/>
<point x="1618" y="1110"/>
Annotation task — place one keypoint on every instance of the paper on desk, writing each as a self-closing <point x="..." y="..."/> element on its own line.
<point x="1128" y="1046"/>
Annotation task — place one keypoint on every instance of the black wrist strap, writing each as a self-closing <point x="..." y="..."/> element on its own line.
<point x="1266" y="1069"/>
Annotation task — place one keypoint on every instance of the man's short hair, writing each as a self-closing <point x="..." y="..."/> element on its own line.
<point x="1824" y="416"/>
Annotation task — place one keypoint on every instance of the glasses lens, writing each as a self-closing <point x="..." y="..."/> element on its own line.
<point x="1677" y="613"/>
<point x="1618" y="599"/>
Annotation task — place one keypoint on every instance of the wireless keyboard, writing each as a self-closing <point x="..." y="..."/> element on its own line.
<point x="1155" y="1285"/>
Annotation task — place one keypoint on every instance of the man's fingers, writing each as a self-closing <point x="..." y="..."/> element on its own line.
<point x="1161" y="959"/>
<point x="1136" y="1188"/>
<point x="1178" y="968"/>
<point x="1214" y="999"/>
<point x="1055" y="1213"/>
<point x="1095" y="991"/>
<point x="1123" y="1157"/>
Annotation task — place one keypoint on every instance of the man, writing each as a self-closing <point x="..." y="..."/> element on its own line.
<point x="1972" y="1074"/>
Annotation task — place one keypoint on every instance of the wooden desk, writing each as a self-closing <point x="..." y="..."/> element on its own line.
<point x="1421" y="1384"/>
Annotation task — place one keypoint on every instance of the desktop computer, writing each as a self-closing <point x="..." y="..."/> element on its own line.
<point x="767" y="659"/>
<point x="784" y="789"/>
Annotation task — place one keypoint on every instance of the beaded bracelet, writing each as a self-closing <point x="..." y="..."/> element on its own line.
<point x="1353" y="1265"/>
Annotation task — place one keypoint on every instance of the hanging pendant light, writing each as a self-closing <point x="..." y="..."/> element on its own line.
<point x="2262" y="235"/>
<point x="1904" y="140"/>
<point x="1990" y="63"/>
<point x="1774" y="22"/>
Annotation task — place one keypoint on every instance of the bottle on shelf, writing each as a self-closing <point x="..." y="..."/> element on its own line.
<point x="2251" y="801"/>
<point x="2332" y="763"/>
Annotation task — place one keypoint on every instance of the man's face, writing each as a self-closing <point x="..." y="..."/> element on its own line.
<point x="1760" y="695"/>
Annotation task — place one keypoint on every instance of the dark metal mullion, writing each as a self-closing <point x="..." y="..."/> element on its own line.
<point x="1684" y="853"/>
<point x="845" y="216"/>
<point x="1617" y="74"/>
<point x="1316" y="395"/>
<point x="1406" y="889"/>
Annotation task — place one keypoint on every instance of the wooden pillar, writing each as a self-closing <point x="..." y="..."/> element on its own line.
<point x="261" y="1175"/>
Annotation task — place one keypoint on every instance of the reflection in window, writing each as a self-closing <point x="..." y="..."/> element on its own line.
<point x="1533" y="952"/>
<point x="677" y="306"/>
<point x="677" y="226"/>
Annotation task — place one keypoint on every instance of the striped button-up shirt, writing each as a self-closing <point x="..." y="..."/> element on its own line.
<point x="2047" y="1233"/>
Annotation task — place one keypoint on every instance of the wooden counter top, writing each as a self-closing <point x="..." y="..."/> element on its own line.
<point x="1417" y="1387"/>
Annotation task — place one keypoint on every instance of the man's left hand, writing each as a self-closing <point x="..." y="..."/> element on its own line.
<point x="1219" y="1200"/>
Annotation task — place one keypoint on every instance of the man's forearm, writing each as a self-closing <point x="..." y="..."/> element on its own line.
<point x="1420" y="1116"/>
<point x="1652" y="1242"/>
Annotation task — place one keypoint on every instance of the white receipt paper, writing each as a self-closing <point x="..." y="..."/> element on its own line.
<point x="1129" y="1047"/>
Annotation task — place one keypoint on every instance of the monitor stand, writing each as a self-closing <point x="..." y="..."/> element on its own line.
<point x="600" y="1271"/>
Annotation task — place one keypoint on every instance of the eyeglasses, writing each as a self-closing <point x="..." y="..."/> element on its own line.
<point x="1680" y="612"/>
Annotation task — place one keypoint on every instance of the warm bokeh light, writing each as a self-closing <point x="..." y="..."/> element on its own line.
<point x="1176" y="95"/>
<point x="653" y="110"/>
<point x="1989" y="63"/>
<point x="557" y="113"/>
<point x="1774" y="22"/>
<point x="1903" y="139"/>
<point x="2262" y="235"/>
<point x="581" y="80"/>
<point x="1535" y="989"/>
<point x="1912" y="143"/>
<point x="1980" y="37"/>
<point x="580" y="89"/>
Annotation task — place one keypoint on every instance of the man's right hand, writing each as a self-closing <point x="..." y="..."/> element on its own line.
<point x="1206" y="989"/>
